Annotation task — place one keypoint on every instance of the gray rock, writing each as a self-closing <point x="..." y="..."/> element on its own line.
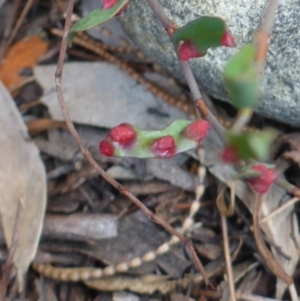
<point x="281" y="85"/>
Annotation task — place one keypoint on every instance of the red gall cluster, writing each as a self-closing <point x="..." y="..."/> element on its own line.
<point x="123" y="135"/>
<point x="165" y="147"/>
<point x="110" y="3"/>
<point x="188" y="50"/>
<point x="262" y="183"/>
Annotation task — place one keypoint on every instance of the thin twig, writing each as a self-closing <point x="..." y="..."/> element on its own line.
<point x="19" y="22"/>
<point x="227" y="257"/>
<point x="261" y="41"/>
<point x="272" y="264"/>
<point x="243" y="118"/>
<point x="8" y="28"/>
<point x="264" y="33"/>
<point x="293" y="292"/>
<point x="279" y="210"/>
<point x="160" y="14"/>
<point x="290" y="188"/>
<point x="169" y="26"/>
<point x="90" y="159"/>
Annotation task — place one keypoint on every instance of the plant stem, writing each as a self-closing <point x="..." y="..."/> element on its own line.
<point x="169" y="26"/>
<point x="290" y="188"/>
<point x="165" y="21"/>
<point x="227" y="257"/>
<point x="261" y="42"/>
<point x="244" y="116"/>
<point x="124" y="191"/>
<point x="264" y="33"/>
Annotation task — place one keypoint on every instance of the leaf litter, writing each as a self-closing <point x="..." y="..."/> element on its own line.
<point x="22" y="177"/>
<point x="75" y="189"/>
<point x="278" y="229"/>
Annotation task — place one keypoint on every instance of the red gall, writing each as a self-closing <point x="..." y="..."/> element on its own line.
<point x="164" y="147"/>
<point x="197" y="131"/>
<point x="262" y="183"/>
<point x="228" y="40"/>
<point x="124" y="134"/>
<point x="106" y="148"/>
<point x="229" y="155"/>
<point x="187" y="51"/>
<point x="110" y="3"/>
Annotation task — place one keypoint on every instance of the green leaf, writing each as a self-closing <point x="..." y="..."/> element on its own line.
<point x="246" y="173"/>
<point x="181" y="132"/>
<point x="70" y="38"/>
<point x="145" y="138"/>
<point x="242" y="78"/>
<point x="251" y="145"/>
<point x="96" y="17"/>
<point x="204" y="32"/>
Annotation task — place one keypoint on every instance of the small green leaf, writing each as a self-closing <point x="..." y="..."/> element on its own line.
<point x="251" y="145"/>
<point x="241" y="78"/>
<point x="204" y="32"/>
<point x="247" y="172"/>
<point x="96" y="17"/>
<point x="70" y="38"/>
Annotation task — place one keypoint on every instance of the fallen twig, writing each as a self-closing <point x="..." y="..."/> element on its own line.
<point x="8" y="28"/>
<point x="278" y="210"/>
<point x="227" y="257"/>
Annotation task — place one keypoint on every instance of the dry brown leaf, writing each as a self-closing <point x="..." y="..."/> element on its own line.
<point x="23" y="54"/>
<point x="39" y="125"/>
<point x="22" y="176"/>
<point x="209" y="251"/>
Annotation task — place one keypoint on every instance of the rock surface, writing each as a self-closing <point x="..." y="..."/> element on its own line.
<point x="280" y="97"/>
